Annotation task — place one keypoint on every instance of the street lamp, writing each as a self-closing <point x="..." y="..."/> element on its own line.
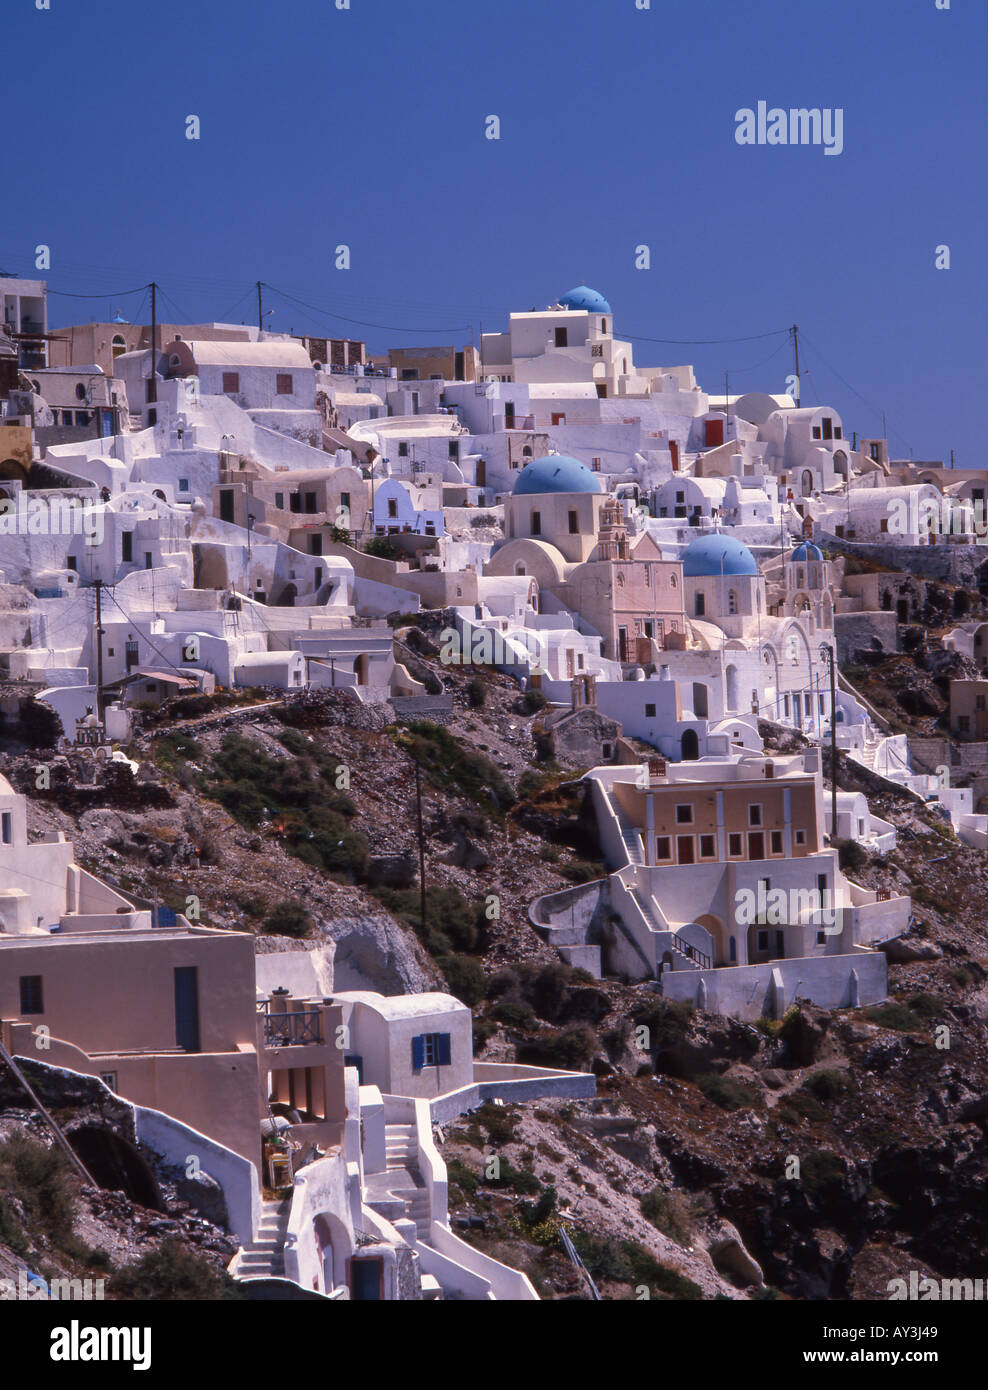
<point x="827" y="653"/>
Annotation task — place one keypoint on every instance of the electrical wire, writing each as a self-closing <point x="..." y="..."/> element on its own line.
<point x="705" y="342"/>
<point x="362" y="323"/>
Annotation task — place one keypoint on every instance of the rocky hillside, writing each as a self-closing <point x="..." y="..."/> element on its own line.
<point x="814" y="1157"/>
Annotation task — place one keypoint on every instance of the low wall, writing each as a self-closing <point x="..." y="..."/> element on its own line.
<point x="766" y="991"/>
<point x="504" y="1282"/>
<point x="176" y="1143"/>
<point x="511" y="1083"/>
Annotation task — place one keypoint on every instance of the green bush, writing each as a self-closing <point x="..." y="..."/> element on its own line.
<point x="668" y="1022"/>
<point x="288" y="918"/>
<point x="828" y="1084"/>
<point x="851" y="855"/>
<point x="581" y="870"/>
<point x="570" y="1050"/>
<point x="624" y="1262"/>
<point x="895" y="1016"/>
<point x="451" y="765"/>
<point x="821" y="1171"/>
<point x="173" y="1273"/>
<point x="668" y="1213"/>
<point x="465" y="978"/>
<point x="728" y="1094"/>
<point x="39" y="1178"/>
<point x="383" y="548"/>
<point x="298" y="794"/>
<point x="926" y="1005"/>
<point x="452" y="924"/>
<point x="476" y="692"/>
<point x="513" y="1013"/>
<point x="532" y="701"/>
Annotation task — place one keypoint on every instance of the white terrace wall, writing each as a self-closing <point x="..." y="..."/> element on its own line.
<point x="766" y="991"/>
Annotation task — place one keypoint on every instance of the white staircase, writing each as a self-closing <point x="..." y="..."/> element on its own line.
<point x="402" y="1145"/>
<point x="264" y="1257"/>
<point x="631" y="837"/>
<point x="402" y="1149"/>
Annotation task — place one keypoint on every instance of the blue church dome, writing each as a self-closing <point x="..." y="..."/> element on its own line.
<point x="585" y="298"/>
<point x="555" y="473"/>
<point x="714" y="555"/>
<point x="806" y="553"/>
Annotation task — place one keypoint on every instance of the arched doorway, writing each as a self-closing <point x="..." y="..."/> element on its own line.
<point x="689" y="746"/>
<point x="806" y="483"/>
<point x="361" y="668"/>
<point x="700" y="700"/>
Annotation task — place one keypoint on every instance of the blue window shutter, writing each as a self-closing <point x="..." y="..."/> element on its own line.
<point x="418" y="1053"/>
<point x="444" y="1049"/>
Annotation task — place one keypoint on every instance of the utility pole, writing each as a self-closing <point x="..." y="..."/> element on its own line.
<point x="418" y="805"/>
<point x="98" y="585"/>
<point x="260" y="311"/>
<point x="795" y="343"/>
<point x="153" y="378"/>
<point x="833" y="743"/>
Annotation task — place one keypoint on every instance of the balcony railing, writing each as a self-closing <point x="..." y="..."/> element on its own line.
<point x="293" y="1029"/>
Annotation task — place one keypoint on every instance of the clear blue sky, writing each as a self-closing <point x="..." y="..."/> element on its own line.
<point x="366" y="127"/>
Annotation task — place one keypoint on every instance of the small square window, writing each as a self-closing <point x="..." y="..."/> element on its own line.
<point x="649" y="711"/>
<point x="735" y="844"/>
<point x="684" y="815"/>
<point x="754" y="814"/>
<point x="801" y="837"/>
<point x="109" y="1079"/>
<point x="403" y="449"/>
<point x="821" y="938"/>
<point x="284" y="384"/>
<point x="231" y="383"/>
<point x="663" y="847"/>
<point x="183" y="484"/>
<point x="708" y="847"/>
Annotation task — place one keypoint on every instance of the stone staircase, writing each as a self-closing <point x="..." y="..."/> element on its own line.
<point x="691" y="957"/>
<point x="631" y="837"/>
<point x="402" y="1148"/>
<point x="264" y="1257"/>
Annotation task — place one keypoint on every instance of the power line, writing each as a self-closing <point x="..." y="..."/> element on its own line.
<point x="864" y="400"/>
<point x="362" y="323"/>
<point x="114" y="294"/>
<point x="705" y="342"/>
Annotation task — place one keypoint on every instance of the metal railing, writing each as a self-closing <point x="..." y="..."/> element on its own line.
<point x="293" y="1029"/>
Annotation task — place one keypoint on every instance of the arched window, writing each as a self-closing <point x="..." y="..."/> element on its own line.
<point x="526" y="453"/>
<point x="80" y="391"/>
<point x="118" y="346"/>
<point x="672" y="581"/>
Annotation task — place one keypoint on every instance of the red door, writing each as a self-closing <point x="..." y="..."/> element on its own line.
<point x="713" y="433"/>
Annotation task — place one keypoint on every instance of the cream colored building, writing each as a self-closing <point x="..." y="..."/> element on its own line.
<point x="563" y="530"/>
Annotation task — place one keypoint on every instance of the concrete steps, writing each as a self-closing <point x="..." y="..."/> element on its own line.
<point x="264" y="1257"/>
<point x="401" y="1145"/>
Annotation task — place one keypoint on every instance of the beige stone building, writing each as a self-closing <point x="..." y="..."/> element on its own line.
<point x="562" y="529"/>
